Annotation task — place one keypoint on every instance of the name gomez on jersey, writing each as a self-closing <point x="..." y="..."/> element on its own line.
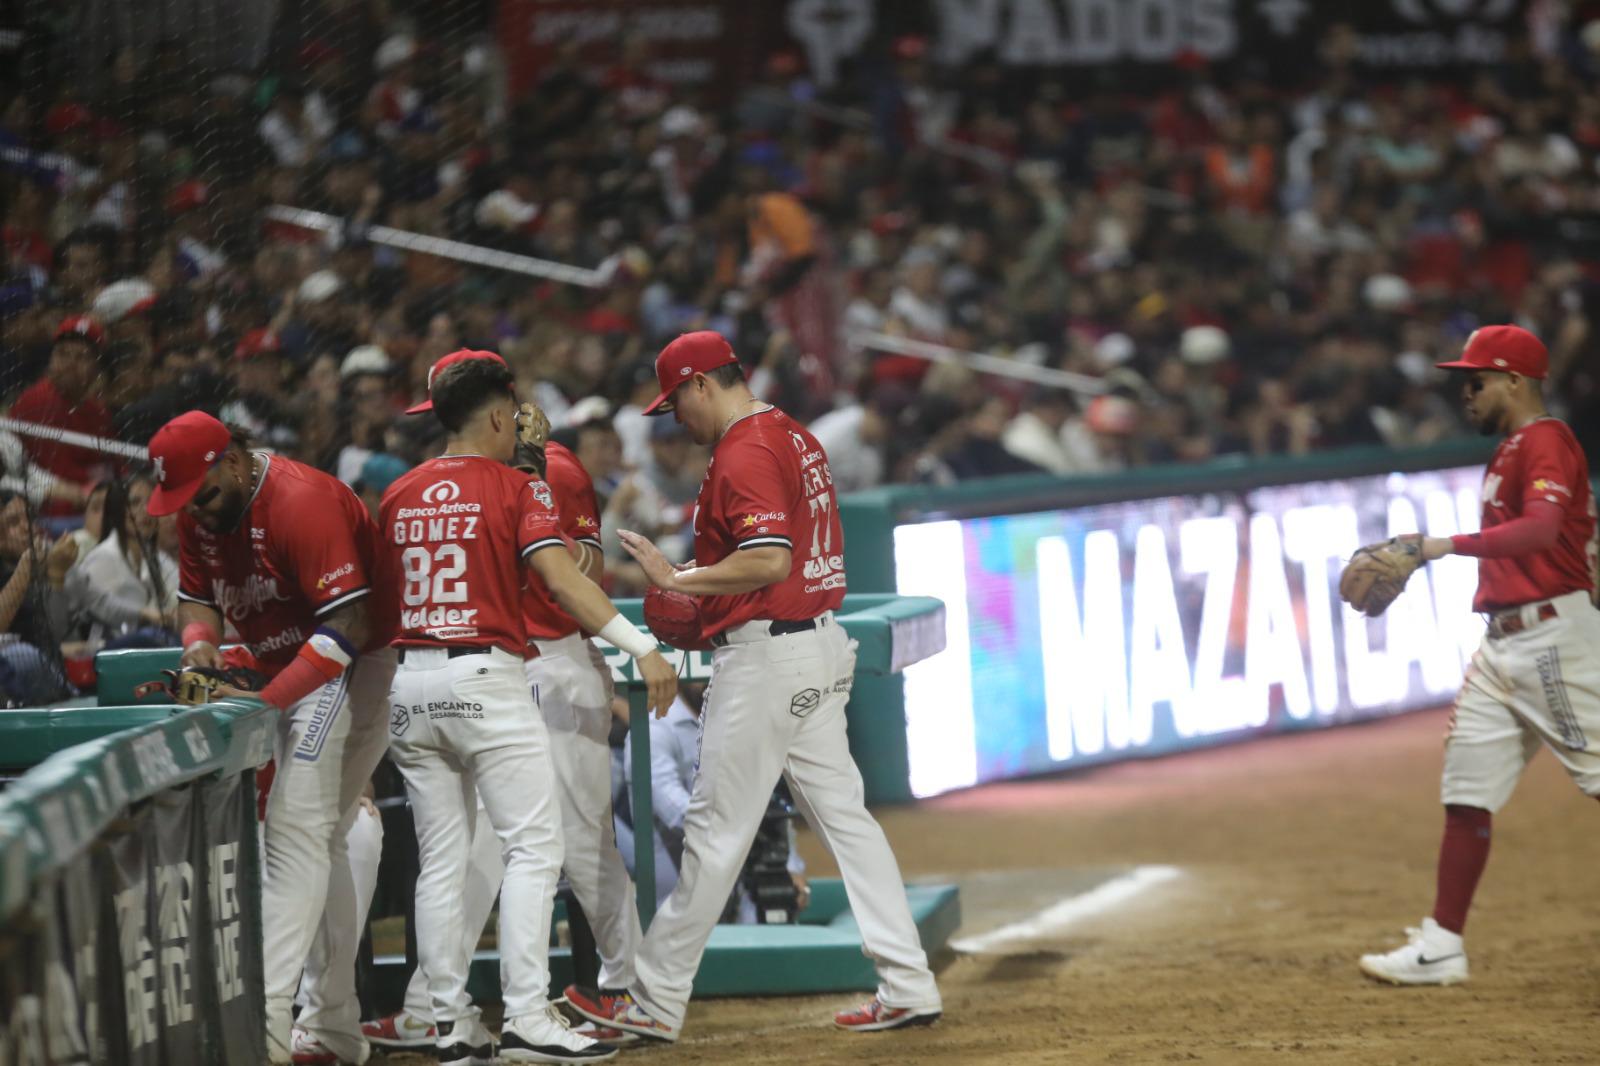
<point x="461" y="528"/>
<point x="768" y="483"/>
<point x="304" y="548"/>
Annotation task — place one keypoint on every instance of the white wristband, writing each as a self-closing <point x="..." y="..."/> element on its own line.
<point x="621" y="633"/>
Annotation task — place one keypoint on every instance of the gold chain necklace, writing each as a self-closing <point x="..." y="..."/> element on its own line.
<point x="736" y="416"/>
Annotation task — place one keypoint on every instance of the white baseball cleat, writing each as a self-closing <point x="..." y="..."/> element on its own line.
<point x="545" y="1036"/>
<point x="309" y="1049"/>
<point x="1433" y="955"/>
<point x="465" y="1043"/>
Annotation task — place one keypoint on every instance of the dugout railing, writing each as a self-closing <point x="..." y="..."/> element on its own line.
<point x="129" y="885"/>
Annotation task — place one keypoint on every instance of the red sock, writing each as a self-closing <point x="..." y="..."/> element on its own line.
<point x="1463" y="853"/>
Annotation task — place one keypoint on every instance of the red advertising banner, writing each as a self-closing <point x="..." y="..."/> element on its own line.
<point x="630" y="44"/>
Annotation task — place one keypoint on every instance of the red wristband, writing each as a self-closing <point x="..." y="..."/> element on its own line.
<point x="199" y="633"/>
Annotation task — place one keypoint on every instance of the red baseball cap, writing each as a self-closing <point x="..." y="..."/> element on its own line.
<point x="81" y="327"/>
<point x="257" y="342"/>
<point x="64" y="118"/>
<point x="694" y="353"/>
<point x="450" y="360"/>
<point x="188" y="196"/>
<point x="1507" y="349"/>
<point x="183" y="451"/>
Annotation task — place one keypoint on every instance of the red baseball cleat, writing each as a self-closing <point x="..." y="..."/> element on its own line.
<point x="875" y="1016"/>
<point x="400" y="1029"/>
<point x="616" y="1009"/>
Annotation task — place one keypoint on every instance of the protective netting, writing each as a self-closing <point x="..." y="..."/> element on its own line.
<point x="1174" y="230"/>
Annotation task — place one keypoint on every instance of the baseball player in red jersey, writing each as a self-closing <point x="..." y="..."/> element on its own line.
<point x="769" y="571"/>
<point x="571" y="684"/>
<point x="464" y="723"/>
<point x="290" y="557"/>
<point x="1536" y="676"/>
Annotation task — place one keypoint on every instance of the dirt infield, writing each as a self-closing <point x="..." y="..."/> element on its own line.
<point x="1298" y="854"/>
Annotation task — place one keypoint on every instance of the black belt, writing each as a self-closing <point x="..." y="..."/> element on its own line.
<point x="450" y="653"/>
<point x="774" y="629"/>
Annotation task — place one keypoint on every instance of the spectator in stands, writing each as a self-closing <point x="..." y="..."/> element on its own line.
<point x="67" y="554"/>
<point x="855" y="435"/>
<point x="377" y="474"/>
<point x="1037" y="433"/>
<point x="257" y="401"/>
<point x="295" y="126"/>
<point x="986" y="207"/>
<point x="65" y="398"/>
<point x="32" y="620"/>
<point x="659" y="497"/>
<point x="790" y="272"/>
<point x="366" y="410"/>
<point x="81" y="264"/>
<point x="595" y="442"/>
<point x="126" y="587"/>
<point x="93" y="530"/>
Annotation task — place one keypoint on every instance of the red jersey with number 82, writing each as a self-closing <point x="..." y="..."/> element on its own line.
<point x="462" y="528"/>
<point x="1540" y="461"/>
<point x="768" y="484"/>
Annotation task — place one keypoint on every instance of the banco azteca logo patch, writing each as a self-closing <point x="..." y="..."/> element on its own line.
<point x="441" y="492"/>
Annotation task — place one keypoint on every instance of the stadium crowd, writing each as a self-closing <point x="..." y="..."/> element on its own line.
<point x="1233" y="269"/>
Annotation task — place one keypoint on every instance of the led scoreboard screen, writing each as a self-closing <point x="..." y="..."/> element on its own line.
<point x="1117" y="630"/>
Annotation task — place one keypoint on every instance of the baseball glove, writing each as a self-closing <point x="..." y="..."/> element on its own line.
<point x="533" y="432"/>
<point x="674" y="618"/>
<point x="193" y="685"/>
<point x="1377" y="574"/>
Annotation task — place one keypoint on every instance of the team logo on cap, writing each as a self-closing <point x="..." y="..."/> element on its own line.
<point x="684" y="371"/>
<point x="161" y="469"/>
<point x="441" y="492"/>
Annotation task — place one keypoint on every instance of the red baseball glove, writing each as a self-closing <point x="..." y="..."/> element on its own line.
<point x="675" y="619"/>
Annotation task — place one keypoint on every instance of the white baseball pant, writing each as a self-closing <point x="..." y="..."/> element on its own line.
<point x="485" y="869"/>
<point x="775" y="705"/>
<point x="363" y="853"/>
<point x="462" y="728"/>
<point x="572" y="686"/>
<point x="1538" y="685"/>
<point x="327" y="747"/>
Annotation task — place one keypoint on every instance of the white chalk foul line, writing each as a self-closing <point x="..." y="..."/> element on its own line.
<point x="1058" y="916"/>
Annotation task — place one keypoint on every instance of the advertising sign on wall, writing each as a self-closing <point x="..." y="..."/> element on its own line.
<point x="145" y="948"/>
<point x="1101" y="633"/>
<point x="716" y="46"/>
